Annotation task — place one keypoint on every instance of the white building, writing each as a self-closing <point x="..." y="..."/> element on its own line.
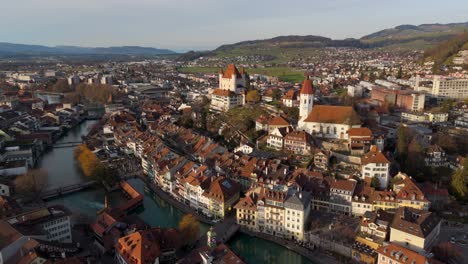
<point x="355" y="90"/>
<point x="330" y="122"/>
<point x="73" y="80"/>
<point x="450" y="88"/>
<point x="341" y="194"/>
<point x="375" y="164"/>
<point x="231" y="90"/>
<point x="53" y="220"/>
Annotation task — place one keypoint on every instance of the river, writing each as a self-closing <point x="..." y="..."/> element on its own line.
<point x="62" y="171"/>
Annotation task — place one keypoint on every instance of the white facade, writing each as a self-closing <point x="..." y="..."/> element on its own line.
<point x="306" y="102"/>
<point x="326" y="130"/>
<point x="58" y="229"/>
<point x="379" y="170"/>
<point x="355" y="91"/>
<point x="244" y="148"/>
<point x="450" y="88"/>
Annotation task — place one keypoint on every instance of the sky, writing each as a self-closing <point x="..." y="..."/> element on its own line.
<point x="206" y="24"/>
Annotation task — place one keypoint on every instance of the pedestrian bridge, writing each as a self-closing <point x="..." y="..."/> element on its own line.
<point x="63" y="190"/>
<point x="68" y="144"/>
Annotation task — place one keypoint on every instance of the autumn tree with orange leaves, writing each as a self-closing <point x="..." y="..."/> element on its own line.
<point x="189" y="228"/>
<point x="86" y="159"/>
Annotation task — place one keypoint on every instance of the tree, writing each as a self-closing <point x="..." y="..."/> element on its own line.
<point x="32" y="183"/>
<point x="416" y="164"/>
<point x="105" y="174"/>
<point x="59" y="86"/>
<point x="400" y="73"/>
<point x="86" y="159"/>
<point x="95" y="93"/>
<point x="448" y="253"/>
<point x="402" y="144"/>
<point x="372" y="77"/>
<point x="383" y="74"/>
<point x="247" y="82"/>
<point x="458" y="181"/>
<point x="276" y="94"/>
<point x="189" y="228"/>
<point x="292" y="113"/>
<point x="375" y="182"/>
<point x="446" y="142"/>
<point x="253" y="96"/>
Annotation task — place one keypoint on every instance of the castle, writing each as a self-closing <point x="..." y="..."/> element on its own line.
<point x="231" y="90"/>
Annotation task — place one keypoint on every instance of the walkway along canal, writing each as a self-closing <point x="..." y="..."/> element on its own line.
<point x="62" y="171"/>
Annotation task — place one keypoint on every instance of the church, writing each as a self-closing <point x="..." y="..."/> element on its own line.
<point x="231" y="90"/>
<point x="326" y="121"/>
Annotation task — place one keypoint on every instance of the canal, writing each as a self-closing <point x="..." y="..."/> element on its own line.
<point x="62" y="171"/>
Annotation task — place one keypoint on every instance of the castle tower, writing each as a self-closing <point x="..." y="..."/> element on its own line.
<point x="306" y="99"/>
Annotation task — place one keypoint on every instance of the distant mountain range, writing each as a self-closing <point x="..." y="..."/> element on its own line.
<point x="11" y="49"/>
<point x="403" y="37"/>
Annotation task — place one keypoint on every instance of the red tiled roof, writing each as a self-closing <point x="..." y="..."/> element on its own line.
<point x="360" y="132"/>
<point x="307" y="87"/>
<point x="230" y="71"/>
<point x="407" y="256"/>
<point x="333" y="114"/>
<point x="278" y="121"/>
<point x="223" y="92"/>
<point x="343" y="185"/>
<point x="374" y="156"/>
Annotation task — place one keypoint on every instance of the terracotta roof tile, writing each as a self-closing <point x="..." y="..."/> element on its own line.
<point x="278" y="121"/>
<point x="307" y="87"/>
<point x="333" y="114"/>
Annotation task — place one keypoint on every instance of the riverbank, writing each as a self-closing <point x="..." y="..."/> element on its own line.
<point x="314" y="255"/>
<point x="171" y="200"/>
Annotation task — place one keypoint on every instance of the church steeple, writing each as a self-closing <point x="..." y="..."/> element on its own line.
<point x="306" y="98"/>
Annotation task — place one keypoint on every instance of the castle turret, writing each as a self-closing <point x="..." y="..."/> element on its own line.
<point x="306" y="99"/>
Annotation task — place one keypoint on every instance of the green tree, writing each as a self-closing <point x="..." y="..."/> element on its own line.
<point x="253" y="96"/>
<point x="375" y="182"/>
<point x="447" y="105"/>
<point x="276" y="94"/>
<point x="458" y="181"/>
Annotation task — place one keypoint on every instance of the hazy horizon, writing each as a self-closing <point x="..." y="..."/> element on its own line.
<point x="182" y="25"/>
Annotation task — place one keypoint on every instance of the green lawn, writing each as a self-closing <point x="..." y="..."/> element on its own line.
<point x="283" y="73"/>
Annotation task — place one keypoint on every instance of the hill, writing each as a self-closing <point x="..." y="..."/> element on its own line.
<point x="422" y="36"/>
<point x="284" y="48"/>
<point x="445" y="51"/>
<point x="11" y="49"/>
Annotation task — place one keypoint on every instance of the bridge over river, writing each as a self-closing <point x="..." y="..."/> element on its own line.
<point x="67" y="144"/>
<point x="59" y="191"/>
